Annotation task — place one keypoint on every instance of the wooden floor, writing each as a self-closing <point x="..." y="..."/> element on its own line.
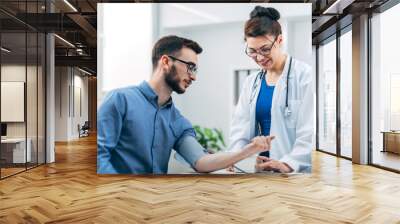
<point x="387" y="159"/>
<point x="10" y="171"/>
<point x="70" y="191"/>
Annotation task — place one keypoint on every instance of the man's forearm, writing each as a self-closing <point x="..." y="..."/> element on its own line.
<point x="221" y="160"/>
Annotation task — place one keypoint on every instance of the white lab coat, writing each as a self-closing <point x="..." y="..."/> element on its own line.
<point x="294" y="138"/>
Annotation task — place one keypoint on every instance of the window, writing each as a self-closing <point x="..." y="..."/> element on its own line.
<point x="327" y="97"/>
<point x="385" y="89"/>
<point x="346" y="94"/>
<point x="394" y="102"/>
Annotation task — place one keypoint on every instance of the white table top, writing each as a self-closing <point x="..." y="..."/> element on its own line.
<point x="13" y="140"/>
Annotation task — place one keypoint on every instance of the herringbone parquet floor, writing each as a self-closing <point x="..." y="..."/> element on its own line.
<point x="70" y="191"/>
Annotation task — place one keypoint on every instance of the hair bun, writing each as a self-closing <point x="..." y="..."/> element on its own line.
<point x="269" y="12"/>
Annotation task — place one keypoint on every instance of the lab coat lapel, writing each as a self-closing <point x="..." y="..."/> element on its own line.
<point x="253" y="123"/>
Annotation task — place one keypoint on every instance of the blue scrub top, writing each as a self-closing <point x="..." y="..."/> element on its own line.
<point x="263" y="109"/>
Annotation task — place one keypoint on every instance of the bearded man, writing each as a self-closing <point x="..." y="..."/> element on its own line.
<point x="138" y="126"/>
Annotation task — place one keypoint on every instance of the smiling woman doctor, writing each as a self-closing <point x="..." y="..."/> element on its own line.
<point x="276" y="101"/>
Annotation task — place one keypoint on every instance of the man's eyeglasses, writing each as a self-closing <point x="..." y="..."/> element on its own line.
<point x="263" y="51"/>
<point x="191" y="67"/>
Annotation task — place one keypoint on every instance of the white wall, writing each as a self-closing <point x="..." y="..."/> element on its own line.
<point x="80" y="103"/>
<point x="61" y="103"/>
<point x="299" y="39"/>
<point x="125" y="35"/>
<point x="66" y="101"/>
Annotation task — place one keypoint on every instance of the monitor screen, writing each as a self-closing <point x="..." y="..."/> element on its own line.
<point x="3" y="129"/>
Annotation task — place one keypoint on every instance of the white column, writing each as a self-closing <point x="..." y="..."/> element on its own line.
<point x="50" y="100"/>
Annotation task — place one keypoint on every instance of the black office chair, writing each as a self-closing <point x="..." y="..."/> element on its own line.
<point x="84" y="130"/>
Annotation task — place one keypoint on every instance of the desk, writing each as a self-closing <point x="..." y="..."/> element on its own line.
<point x="178" y="165"/>
<point x="391" y="141"/>
<point x="13" y="150"/>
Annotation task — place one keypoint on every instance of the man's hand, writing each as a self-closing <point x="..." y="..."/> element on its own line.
<point x="265" y="163"/>
<point x="261" y="143"/>
<point x="221" y="160"/>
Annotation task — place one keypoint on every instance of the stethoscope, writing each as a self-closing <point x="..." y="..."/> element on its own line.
<point x="261" y="76"/>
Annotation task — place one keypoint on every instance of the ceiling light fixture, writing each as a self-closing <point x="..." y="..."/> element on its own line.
<point x="5" y="50"/>
<point x="70" y="5"/>
<point x="84" y="71"/>
<point x="64" y="40"/>
<point x="337" y="7"/>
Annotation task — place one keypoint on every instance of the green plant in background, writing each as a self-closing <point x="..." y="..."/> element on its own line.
<point x="210" y="138"/>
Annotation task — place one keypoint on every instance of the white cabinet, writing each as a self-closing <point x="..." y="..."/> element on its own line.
<point x="18" y="149"/>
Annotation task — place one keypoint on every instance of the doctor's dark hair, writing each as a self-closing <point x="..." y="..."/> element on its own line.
<point x="171" y="45"/>
<point x="263" y="21"/>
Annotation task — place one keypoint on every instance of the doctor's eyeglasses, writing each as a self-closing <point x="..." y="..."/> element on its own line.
<point x="263" y="51"/>
<point x="191" y="67"/>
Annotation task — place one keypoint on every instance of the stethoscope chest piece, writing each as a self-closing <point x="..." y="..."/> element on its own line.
<point x="288" y="112"/>
<point x="260" y="77"/>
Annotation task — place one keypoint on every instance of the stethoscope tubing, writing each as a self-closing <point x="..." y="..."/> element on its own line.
<point x="261" y="76"/>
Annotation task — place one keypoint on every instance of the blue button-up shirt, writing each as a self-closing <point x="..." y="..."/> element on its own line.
<point x="136" y="136"/>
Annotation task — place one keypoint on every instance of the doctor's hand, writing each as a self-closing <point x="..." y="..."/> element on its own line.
<point x="266" y="164"/>
<point x="230" y="169"/>
<point x="261" y="143"/>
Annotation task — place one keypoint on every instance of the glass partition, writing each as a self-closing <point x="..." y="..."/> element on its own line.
<point x="385" y="89"/>
<point x="14" y="154"/>
<point x="22" y="77"/>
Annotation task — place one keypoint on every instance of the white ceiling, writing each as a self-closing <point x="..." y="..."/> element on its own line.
<point x="175" y="15"/>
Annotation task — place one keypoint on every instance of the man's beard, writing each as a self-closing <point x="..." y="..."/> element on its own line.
<point x="172" y="80"/>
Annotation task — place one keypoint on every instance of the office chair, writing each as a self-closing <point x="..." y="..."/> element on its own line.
<point x="84" y="130"/>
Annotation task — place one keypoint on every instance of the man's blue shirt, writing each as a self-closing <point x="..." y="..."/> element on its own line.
<point x="136" y="136"/>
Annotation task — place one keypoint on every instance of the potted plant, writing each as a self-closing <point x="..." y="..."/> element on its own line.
<point x="210" y="138"/>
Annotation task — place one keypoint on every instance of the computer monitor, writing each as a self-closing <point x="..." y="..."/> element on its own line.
<point x="3" y="129"/>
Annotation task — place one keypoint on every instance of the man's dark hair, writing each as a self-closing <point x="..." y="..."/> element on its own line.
<point x="171" y="45"/>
